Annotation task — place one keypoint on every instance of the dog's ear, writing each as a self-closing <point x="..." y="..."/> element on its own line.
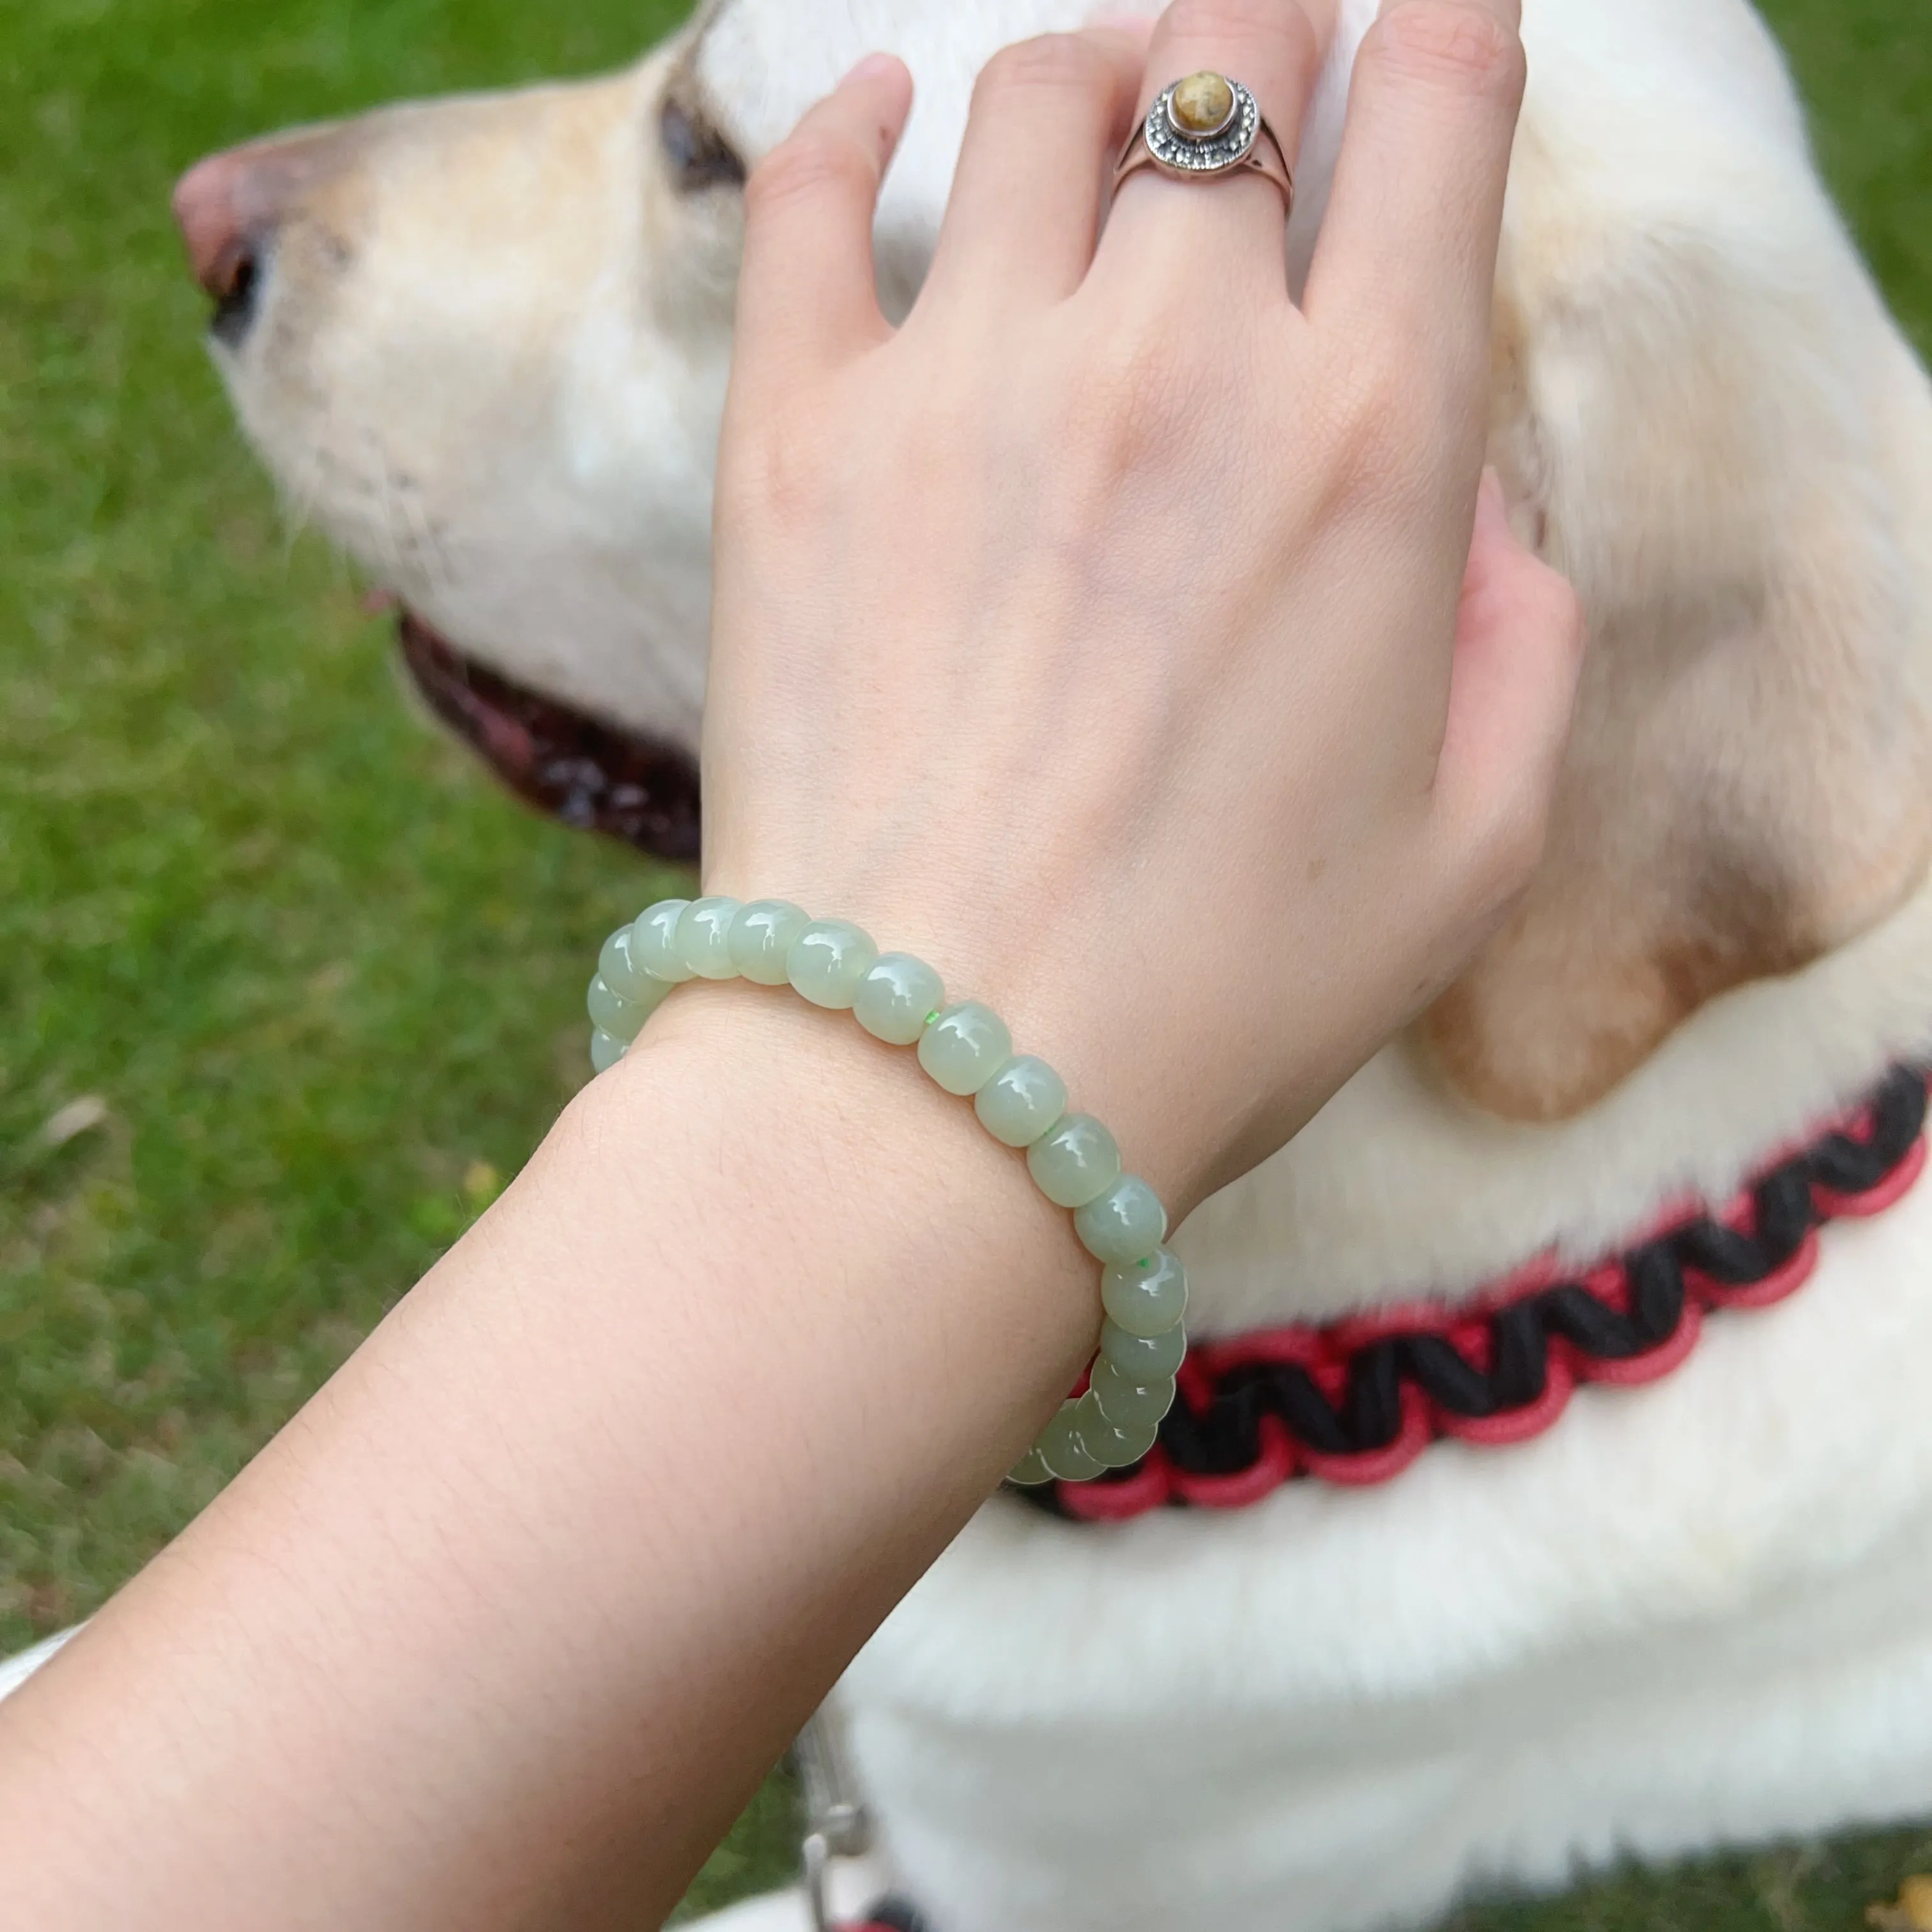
<point x="1741" y="493"/>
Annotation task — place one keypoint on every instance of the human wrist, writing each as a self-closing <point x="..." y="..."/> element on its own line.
<point x="966" y="1050"/>
<point x="844" y="1131"/>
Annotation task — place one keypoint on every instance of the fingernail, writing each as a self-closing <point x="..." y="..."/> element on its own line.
<point x="1127" y="19"/>
<point x="874" y="66"/>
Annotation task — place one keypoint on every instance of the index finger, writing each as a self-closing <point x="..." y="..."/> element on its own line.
<point x="1407" y="254"/>
<point x="806" y="293"/>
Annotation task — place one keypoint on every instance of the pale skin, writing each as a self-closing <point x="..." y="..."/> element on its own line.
<point x="1132" y="662"/>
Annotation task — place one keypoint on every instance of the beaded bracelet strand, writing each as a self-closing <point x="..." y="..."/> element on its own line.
<point x="1020" y="1100"/>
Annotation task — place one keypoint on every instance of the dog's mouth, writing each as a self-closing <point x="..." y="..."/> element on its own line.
<point x="560" y="760"/>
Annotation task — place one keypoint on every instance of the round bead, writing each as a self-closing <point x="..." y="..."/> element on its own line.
<point x="621" y="1019"/>
<point x="1117" y="1446"/>
<point x="1124" y="1401"/>
<point x="1062" y="1451"/>
<point x="654" y="942"/>
<point x="704" y="938"/>
<point x="1109" y="1444"/>
<point x="1146" y="1297"/>
<point x="895" y="998"/>
<point x="965" y="1047"/>
<point x="1030" y="1470"/>
<point x="605" y="1051"/>
<point x="1075" y="1163"/>
<point x="1142" y="1359"/>
<point x="827" y="961"/>
<point x="628" y="980"/>
<point x="1021" y="1101"/>
<point x="761" y="937"/>
<point x="1125" y="1224"/>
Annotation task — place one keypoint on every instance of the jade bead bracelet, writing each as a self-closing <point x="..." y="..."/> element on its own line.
<point x="964" y="1047"/>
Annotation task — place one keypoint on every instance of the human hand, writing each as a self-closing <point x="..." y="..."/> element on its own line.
<point x="1111" y="633"/>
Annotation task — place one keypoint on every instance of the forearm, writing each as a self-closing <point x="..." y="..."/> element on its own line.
<point x="513" y="1617"/>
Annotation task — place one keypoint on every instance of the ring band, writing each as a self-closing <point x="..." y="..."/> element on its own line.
<point x="1205" y="128"/>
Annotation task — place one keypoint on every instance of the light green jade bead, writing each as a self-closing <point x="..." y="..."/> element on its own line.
<point x="965" y="1047"/>
<point x="761" y="938"/>
<point x="1142" y="1359"/>
<point x="605" y="1052"/>
<point x="1112" y="1444"/>
<point x="1031" y="1470"/>
<point x="896" y="998"/>
<point x="623" y="976"/>
<point x="1146" y="1297"/>
<point x="654" y="943"/>
<point x="1125" y="1224"/>
<point x="1062" y="1451"/>
<point x="827" y="961"/>
<point x="1021" y="1101"/>
<point x="621" y="1019"/>
<point x="704" y="938"/>
<point x="1125" y="1401"/>
<point x="1109" y="1444"/>
<point x="1076" y="1162"/>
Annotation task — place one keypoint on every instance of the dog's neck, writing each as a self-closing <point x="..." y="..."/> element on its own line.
<point x="1399" y="1191"/>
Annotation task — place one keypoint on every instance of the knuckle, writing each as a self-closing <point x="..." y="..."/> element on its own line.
<point x="1137" y="411"/>
<point x="811" y="162"/>
<point x="769" y="476"/>
<point x="1381" y="451"/>
<point x="1452" y="45"/>
<point x="1055" y="60"/>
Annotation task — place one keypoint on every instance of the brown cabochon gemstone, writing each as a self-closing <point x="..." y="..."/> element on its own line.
<point x="1202" y="105"/>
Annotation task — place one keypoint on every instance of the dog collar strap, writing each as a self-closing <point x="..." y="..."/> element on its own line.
<point x="1356" y="1401"/>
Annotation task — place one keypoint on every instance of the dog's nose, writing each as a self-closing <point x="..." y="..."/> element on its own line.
<point x="229" y="207"/>
<point x="222" y="242"/>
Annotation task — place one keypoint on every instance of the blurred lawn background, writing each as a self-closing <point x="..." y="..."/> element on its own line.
<point x="287" y="989"/>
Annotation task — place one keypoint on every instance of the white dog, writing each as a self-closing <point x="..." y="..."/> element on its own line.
<point x="483" y="343"/>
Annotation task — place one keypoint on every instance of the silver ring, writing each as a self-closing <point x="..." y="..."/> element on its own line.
<point x="1202" y="128"/>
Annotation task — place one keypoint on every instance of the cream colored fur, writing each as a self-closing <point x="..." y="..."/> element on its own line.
<point x="489" y="360"/>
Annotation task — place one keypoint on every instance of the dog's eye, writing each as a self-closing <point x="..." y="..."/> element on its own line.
<point x="698" y="155"/>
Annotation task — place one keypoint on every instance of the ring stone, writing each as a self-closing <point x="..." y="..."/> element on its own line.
<point x="1200" y="106"/>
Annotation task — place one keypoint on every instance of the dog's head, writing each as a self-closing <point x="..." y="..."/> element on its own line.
<point x="483" y="344"/>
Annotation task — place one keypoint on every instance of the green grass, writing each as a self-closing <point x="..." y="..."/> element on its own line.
<point x="316" y="982"/>
<point x="320" y="979"/>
